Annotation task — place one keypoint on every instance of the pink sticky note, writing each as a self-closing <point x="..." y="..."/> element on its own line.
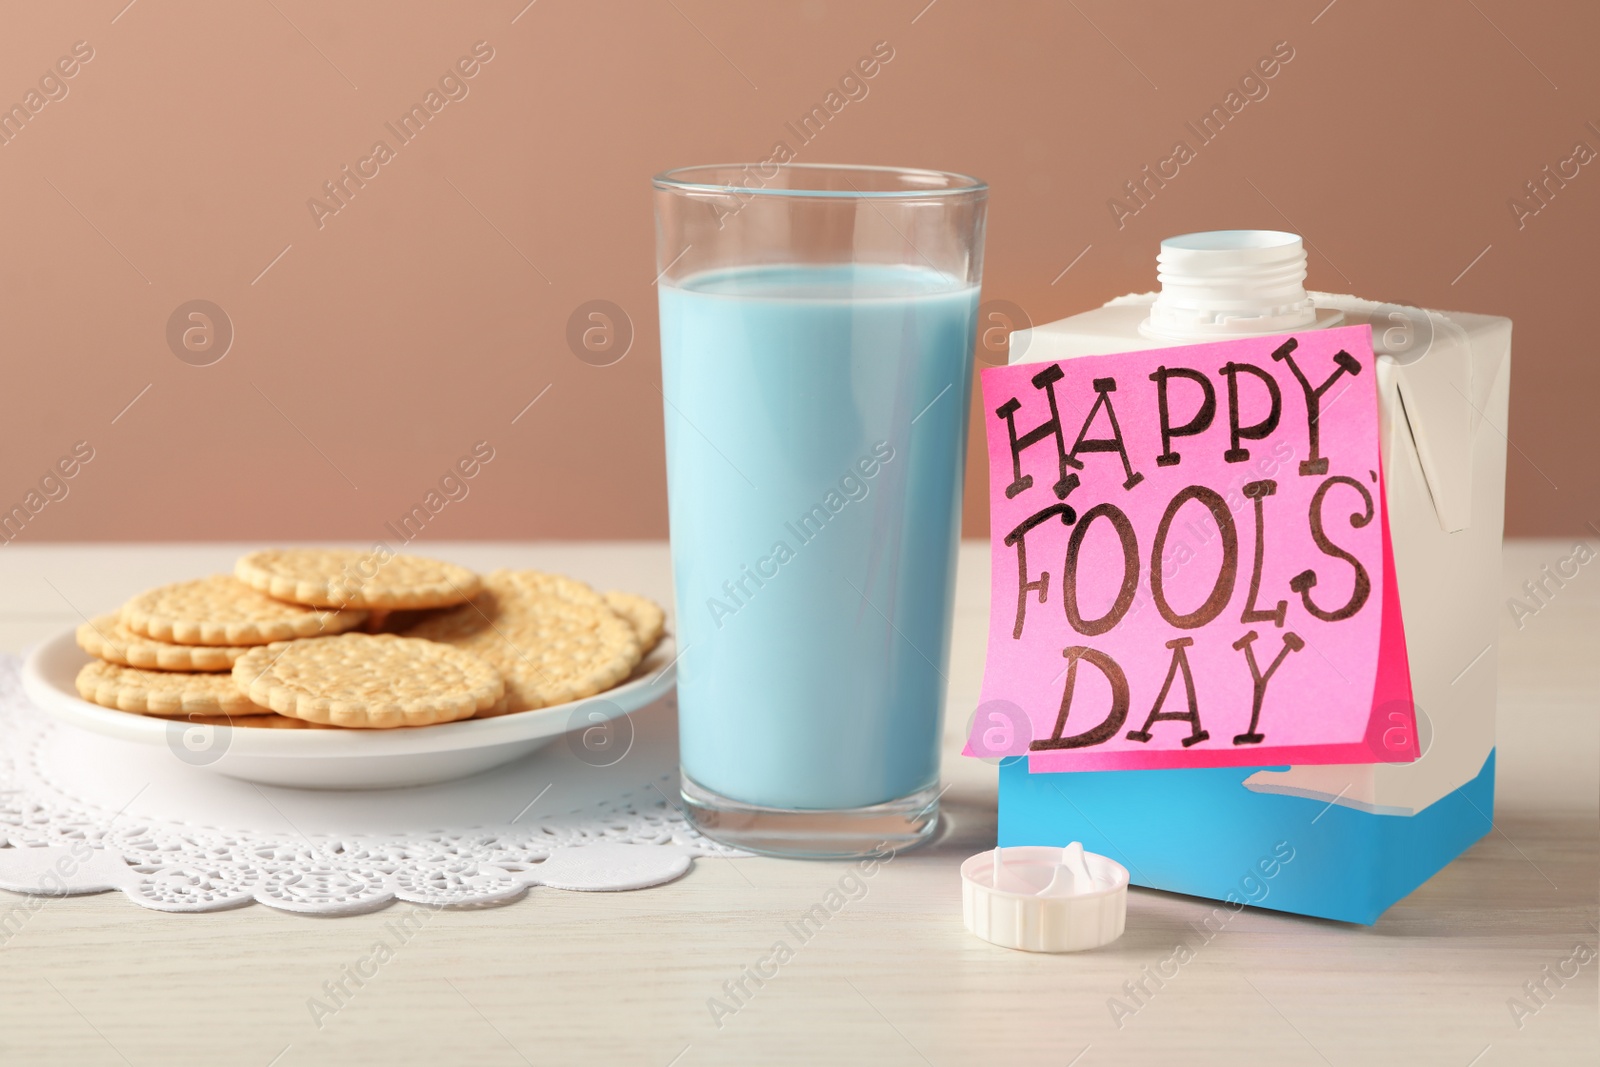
<point x="1191" y="559"/>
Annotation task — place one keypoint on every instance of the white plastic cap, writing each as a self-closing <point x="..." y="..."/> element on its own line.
<point x="1230" y="282"/>
<point x="1044" y="899"/>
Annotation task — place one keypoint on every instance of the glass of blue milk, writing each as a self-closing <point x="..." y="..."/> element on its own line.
<point x="817" y="333"/>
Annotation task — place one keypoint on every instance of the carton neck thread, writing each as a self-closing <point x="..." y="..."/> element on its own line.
<point x="1224" y="283"/>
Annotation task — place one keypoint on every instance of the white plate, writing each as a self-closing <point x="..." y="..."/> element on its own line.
<point x="339" y="759"/>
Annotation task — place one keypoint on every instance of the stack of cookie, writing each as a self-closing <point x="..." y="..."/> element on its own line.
<point x="307" y="638"/>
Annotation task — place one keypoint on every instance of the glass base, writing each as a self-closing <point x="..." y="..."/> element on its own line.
<point x="844" y="833"/>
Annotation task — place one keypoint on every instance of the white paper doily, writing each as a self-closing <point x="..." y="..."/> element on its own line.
<point x="81" y="813"/>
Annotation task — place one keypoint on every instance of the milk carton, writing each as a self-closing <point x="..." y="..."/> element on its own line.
<point x="1343" y="841"/>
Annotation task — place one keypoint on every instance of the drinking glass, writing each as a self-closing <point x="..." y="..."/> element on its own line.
<point x="817" y="331"/>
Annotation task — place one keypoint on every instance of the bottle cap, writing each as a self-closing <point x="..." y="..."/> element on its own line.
<point x="1039" y="898"/>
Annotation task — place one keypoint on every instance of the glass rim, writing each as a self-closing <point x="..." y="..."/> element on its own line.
<point x="678" y="180"/>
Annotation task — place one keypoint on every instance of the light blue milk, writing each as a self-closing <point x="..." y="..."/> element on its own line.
<point x="814" y="628"/>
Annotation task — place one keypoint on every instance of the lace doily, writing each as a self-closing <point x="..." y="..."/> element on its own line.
<point x="74" y="818"/>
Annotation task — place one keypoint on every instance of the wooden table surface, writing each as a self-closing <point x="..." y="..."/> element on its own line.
<point x="893" y="978"/>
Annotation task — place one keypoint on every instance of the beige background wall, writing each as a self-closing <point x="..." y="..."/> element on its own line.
<point x="373" y="347"/>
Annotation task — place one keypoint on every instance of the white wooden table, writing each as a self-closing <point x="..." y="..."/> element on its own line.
<point x="894" y="978"/>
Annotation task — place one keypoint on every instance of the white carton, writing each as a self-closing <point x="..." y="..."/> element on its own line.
<point x="1443" y="390"/>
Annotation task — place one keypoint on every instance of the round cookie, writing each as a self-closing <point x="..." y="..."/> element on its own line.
<point x="372" y="681"/>
<point x="162" y="693"/>
<point x="221" y="610"/>
<point x="106" y="638"/>
<point x="552" y="639"/>
<point x="643" y="614"/>
<point x="353" y="578"/>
